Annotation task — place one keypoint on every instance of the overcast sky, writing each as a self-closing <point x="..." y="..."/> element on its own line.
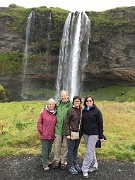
<point x="71" y="5"/>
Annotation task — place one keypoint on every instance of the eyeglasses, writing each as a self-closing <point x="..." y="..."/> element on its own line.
<point x="89" y="101"/>
<point x="76" y="101"/>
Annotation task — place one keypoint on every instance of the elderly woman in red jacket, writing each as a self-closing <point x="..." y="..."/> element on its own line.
<point x="46" y="125"/>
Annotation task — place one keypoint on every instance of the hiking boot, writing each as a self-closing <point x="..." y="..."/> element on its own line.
<point x="49" y="163"/>
<point x="46" y="168"/>
<point x="93" y="169"/>
<point x="55" y="165"/>
<point x="78" y="168"/>
<point x="73" y="170"/>
<point x="63" y="166"/>
<point x="85" y="175"/>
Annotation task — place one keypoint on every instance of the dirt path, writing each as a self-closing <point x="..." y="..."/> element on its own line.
<point x="28" y="167"/>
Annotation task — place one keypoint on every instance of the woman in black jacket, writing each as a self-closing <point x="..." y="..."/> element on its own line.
<point x="92" y="128"/>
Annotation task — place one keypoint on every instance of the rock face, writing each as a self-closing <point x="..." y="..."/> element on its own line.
<point x="111" y="49"/>
<point x="113" y="63"/>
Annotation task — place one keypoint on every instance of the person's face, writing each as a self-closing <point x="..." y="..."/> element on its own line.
<point x="89" y="102"/>
<point x="51" y="105"/>
<point x="64" y="96"/>
<point x="77" y="103"/>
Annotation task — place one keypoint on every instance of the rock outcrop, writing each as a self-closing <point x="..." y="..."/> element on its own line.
<point x="112" y="49"/>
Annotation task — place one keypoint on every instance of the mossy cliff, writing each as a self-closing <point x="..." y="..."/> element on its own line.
<point x="111" y="49"/>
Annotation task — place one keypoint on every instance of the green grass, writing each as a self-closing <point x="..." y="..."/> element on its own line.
<point x="20" y="135"/>
<point x="119" y="128"/>
<point x="113" y="93"/>
<point x="42" y="92"/>
<point x="19" y="120"/>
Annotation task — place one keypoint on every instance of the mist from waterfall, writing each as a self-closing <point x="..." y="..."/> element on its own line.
<point x="73" y="53"/>
<point x="25" y="85"/>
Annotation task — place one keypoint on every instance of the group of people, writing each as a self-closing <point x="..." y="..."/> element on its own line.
<point x="55" y="124"/>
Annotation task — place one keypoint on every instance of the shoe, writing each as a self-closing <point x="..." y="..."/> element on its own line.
<point x="73" y="170"/>
<point x="55" y="165"/>
<point x="46" y="168"/>
<point x="49" y="163"/>
<point x="93" y="169"/>
<point x="63" y="166"/>
<point x="85" y="175"/>
<point x="78" y="168"/>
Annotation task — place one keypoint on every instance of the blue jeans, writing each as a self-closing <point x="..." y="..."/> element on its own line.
<point x="72" y="152"/>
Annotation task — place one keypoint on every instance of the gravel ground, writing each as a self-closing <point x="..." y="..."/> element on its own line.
<point x="28" y="167"/>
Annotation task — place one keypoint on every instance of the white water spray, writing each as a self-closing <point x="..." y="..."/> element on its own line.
<point x="25" y="84"/>
<point x="73" y="54"/>
<point x="48" y="36"/>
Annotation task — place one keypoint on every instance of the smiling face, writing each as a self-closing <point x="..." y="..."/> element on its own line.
<point x="89" y="102"/>
<point x="64" y="96"/>
<point x="77" y="103"/>
<point x="51" y="105"/>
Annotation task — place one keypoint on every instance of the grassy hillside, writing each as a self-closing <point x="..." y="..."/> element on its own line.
<point x="110" y="93"/>
<point x="113" y="93"/>
<point x="18" y="133"/>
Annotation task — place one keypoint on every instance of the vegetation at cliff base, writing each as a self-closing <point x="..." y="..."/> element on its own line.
<point x="113" y="93"/>
<point x="3" y="97"/>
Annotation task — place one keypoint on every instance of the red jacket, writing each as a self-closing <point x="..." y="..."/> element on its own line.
<point x="46" y="124"/>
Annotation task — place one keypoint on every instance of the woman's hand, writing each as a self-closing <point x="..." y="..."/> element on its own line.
<point x="68" y="137"/>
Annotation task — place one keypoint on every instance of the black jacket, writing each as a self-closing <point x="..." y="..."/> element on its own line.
<point x="92" y="122"/>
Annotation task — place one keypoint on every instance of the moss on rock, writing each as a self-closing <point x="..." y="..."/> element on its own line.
<point x="3" y="97"/>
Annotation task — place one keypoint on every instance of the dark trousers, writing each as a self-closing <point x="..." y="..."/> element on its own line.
<point x="45" y="151"/>
<point x="72" y="152"/>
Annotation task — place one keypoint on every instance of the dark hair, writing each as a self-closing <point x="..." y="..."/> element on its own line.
<point x="85" y="100"/>
<point x="77" y="97"/>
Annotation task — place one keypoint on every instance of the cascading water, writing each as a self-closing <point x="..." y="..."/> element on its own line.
<point x="25" y="84"/>
<point x="73" y="54"/>
<point x="48" y="36"/>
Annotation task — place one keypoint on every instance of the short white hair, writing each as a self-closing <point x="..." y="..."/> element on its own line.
<point x="51" y="100"/>
<point x="64" y="91"/>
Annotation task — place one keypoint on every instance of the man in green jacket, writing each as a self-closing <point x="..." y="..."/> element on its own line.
<point x="60" y="143"/>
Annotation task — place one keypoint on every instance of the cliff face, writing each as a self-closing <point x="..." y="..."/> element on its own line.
<point x="111" y="49"/>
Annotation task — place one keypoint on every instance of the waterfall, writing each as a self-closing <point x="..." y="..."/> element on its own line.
<point x="50" y="18"/>
<point x="25" y="84"/>
<point x="73" y="53"/>
<point x="48" y="35"/>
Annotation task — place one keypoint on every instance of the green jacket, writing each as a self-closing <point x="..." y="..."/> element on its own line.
<point x="62" y="108"/>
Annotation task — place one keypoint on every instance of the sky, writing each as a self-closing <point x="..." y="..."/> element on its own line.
<point x="71" y="5"/>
